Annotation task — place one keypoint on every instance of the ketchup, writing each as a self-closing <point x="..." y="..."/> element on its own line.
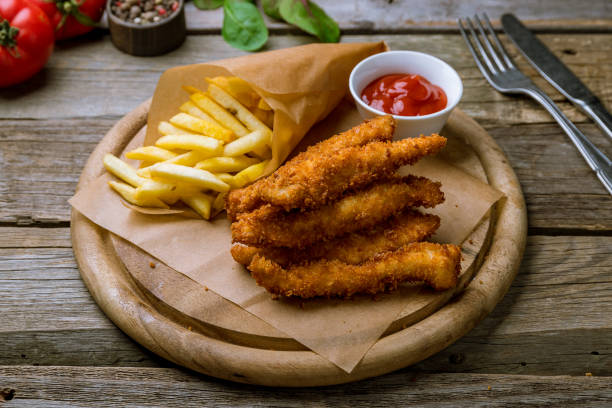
<point x="404" y="95"/>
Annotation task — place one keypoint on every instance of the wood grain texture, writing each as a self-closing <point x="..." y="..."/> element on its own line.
<point x="540" y="321"/>
<point x="75" y="347"/>
<point x="561" y="191"/>
<point x="403" y="16"/>
<point x="130" y="80"/>
<point x="42" y="157"/>
<point x="153" y="387"/>
<point x="44" y="292"/>
<point x="542" y="327"/>
<point x="538" y="153"/>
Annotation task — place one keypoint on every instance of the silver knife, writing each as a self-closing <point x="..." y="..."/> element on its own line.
<point x="555" y="72"/>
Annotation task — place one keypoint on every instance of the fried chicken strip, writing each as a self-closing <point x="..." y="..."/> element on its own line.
<point x="436" y="265"/>
<point x="270" y="226"/>
<point x="354" y="248"/>
<point x="378" y="129"/>
<point x="316" y="182"/>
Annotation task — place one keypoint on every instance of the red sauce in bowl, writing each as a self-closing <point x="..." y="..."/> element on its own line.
<point x="404" y="95"/>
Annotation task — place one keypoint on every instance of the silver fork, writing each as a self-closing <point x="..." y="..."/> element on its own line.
<point x="497" y="67"/>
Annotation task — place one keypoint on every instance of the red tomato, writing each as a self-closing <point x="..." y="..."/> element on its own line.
<point x="26" y="40"/>
<point x="72" y="18"/>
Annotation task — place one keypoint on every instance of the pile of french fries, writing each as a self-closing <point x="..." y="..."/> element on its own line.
<point x="219" y="141"/>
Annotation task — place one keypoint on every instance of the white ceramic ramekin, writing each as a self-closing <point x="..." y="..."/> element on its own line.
<point x="433" y="69"/>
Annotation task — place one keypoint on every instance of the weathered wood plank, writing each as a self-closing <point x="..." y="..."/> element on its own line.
<point x="560" y="189"/>
<point x="553" y="318"/>
<point x="56" y="320"/>
<point x="41" y="163"/>
<point x="94" y="79"/>
<point x="567" y="352"/>
<point x="42" y="160"/>
<point x="129" y="387"/>
<point x="402" y="15"/>
<point x="41" y="290"/>
<point x="75" y="347"/>
<point x="18" y="237"/>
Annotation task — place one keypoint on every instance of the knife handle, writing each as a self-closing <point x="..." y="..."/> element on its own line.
<point x="599" y="162"/>
<point x="597" y="111"/>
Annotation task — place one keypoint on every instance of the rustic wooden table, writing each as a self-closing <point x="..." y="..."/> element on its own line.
<point x="548" y="342"/>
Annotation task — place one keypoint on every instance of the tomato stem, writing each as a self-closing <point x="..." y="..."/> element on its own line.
<point x="8" y="34"/>
<point x="71" y="7"/>
<point x="8" y="37"/>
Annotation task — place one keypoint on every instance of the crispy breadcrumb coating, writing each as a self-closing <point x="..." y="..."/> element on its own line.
<point x="437" y="265"/>
<point x="271" y="226"/>
<point x="353" y="248"/>
<point x="378" y="129"/>
<point x="319" y="181"/>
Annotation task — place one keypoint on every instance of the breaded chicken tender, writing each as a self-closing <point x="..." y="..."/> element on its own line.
<point x="437" y="265"/>
<point x="378" y="129"/>
<point x="317" y="182"/>
<point x="354" y="248"/>
<point x="271" y="226"/>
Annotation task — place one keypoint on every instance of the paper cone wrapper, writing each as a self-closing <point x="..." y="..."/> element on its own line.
<point x="303" y="85"/>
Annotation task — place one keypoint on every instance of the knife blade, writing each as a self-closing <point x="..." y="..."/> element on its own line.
<point x="555" y="72"/>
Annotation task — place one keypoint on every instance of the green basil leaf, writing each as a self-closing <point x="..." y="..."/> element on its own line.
<point x="243" y="25"/>
<point x="208" y="4"/>
<point x="270" y="7"/>
<point x="310" y="18"/>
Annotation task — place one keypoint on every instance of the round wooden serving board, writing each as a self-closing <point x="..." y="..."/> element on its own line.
<point x="188" y="328"/>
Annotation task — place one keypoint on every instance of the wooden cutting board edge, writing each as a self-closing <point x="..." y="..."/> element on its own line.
<point x="130" y="308"/>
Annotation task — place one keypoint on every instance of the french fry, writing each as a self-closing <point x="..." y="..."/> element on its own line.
<point x="167" y="192"/>
<point x="226" y="178"/>
<point x="225" y="164"/>
<point x="242" y="113"/>
<point x="250" y="174"/>
<point x="144" y="172"/>
<point x="219" y="114"/>
<point x="191" y="109"/>
<point x="205" y="127"/>
<point x="189" y="175"/>
<point x="249" y="143"/>
<point x="129" y="194"/>
<point x="166" y="128"/>
<point x="122" y="170"/>
<point x="190" y="89"/>
<point x="262" y="104"/>
<point x="191" y="142"/>
<point x="189" y="158"/>
<point x="219" y="204"/>
<point x="150" y="154"/>
<point x="238" y="88"/>
<point x="219" y="141"/>
<point x="201" y="203"/>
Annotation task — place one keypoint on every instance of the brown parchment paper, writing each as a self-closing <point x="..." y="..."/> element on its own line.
<point x="338" y="330"/>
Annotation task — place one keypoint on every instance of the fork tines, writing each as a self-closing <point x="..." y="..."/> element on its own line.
<point x="495" y="56"/>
